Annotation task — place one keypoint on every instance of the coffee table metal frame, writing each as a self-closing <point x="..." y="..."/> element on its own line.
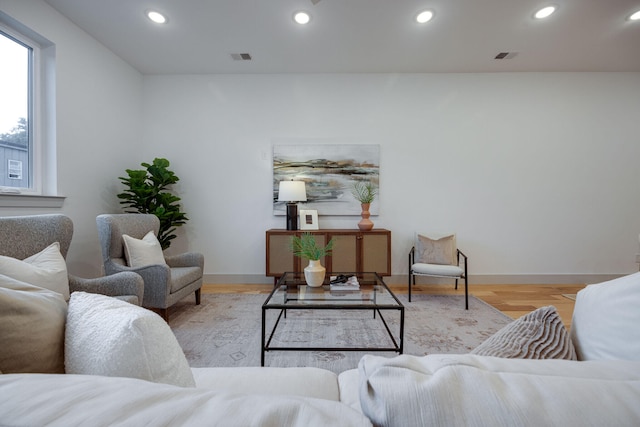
<point x="290" y="286"/>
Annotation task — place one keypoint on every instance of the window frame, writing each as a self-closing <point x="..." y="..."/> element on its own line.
<point x="42" y="191"/>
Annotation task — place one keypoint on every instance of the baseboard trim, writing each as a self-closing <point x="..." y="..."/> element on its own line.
<point x="480" y="279"/>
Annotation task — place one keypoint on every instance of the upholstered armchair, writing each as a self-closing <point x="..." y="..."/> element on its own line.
<point x="438" y="256"/>
<point x="164" y="283"/>
<point x="24" y="236"/>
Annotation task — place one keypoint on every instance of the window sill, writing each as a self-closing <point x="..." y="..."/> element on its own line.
<point x="30" y="201"/>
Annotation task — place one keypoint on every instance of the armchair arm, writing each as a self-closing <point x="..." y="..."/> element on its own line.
<point x="187" y="259"/>
<point x="125" y="283"/>
<point x="412" y="254"/>
<point x="465" y="261"/>
<point x="157" y="281"/>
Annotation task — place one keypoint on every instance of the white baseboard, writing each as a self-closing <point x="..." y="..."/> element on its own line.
<point x="481" y="279"/>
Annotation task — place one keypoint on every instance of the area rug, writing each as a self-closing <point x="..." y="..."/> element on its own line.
<point x="225" y="330"/>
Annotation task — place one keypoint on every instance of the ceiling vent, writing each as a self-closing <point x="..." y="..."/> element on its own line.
<point x="241" y="56"/>
<point x="506" y="55"/>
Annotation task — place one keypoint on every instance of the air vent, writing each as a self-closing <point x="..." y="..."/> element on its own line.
<point x="241" y="56"/>
<point x="506" y="55"/>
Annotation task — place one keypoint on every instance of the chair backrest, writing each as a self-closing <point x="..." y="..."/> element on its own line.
<point x="23" y="236"/>
<point x="111" y="227"/>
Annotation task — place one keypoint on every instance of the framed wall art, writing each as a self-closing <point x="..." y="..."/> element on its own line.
<point x="308" y="219"/>
<point x="329" y="172"/>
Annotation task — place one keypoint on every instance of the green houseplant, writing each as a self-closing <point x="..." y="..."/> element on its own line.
<point x="148" y="192"/>
<point x="305" y="246"/>
<point x="364" y="192"/>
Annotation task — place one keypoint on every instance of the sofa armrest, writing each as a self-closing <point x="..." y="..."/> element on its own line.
<point x="120" y="284"/>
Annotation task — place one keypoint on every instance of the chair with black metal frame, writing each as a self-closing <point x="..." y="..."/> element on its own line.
<point x="438" y="256"/>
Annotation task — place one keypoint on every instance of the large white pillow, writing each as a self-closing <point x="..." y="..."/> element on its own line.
<point x="140" y="253"/>
<point x="32" y="323"/>
<point x="606" y="320"/>
<point x="106" y="336"/>
<point x="46" y="269"/>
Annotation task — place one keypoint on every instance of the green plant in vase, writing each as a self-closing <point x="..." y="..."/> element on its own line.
<point x="364" y="192"/>
<point x="305" y="246"/>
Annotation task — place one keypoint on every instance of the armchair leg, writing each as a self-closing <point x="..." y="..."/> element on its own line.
<point x="164" y="312"/>
<point x="409" y="285"/>
<point x="198" y="296"/>
<point x="466" y="293"/>
<point x="456" y="284"/>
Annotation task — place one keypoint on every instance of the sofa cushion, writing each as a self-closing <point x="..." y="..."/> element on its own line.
<point x="46" y="269"/>
<point x="471" y="390"/>
<point x="606" y="320"/>
<point x="293" y="381"/>
<point x="436" y="249"/>
<point x="82" y="400"/>
<point x="536" y="335"/>
<point x="32" y="323"/>
<point x="143" y="252"/>
<point x="106" y="336"/>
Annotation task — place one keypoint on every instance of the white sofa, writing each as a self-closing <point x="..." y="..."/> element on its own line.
<point x="602" y="388"/>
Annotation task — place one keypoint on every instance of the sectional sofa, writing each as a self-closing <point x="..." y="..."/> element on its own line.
<point x="119" y="364"/>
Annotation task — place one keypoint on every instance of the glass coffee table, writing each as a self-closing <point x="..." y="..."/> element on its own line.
<point x="292" y="293"/>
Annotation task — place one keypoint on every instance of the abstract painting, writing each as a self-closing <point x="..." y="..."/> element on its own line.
<point x="329" y="172"/>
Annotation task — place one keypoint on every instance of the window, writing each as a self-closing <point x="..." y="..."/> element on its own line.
<point x="27" y="115"/>
<point x="16" y="142"/>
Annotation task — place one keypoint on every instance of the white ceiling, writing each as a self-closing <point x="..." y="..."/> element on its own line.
<point x="363" y="36"/>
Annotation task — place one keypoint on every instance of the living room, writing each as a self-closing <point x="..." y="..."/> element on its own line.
<point x="534" y="171"/>
<point x="530" y="160"/>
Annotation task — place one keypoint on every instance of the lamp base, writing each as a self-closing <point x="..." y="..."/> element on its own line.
<point x="292" y="216"/>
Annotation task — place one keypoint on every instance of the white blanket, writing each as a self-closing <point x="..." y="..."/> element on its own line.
<point x="81" y="400"/>
<point x="468" y="390"/>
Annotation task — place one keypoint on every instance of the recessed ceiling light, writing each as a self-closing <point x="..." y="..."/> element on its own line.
<point x="635" y="16"/>
<point x="301" y="18"/>
<point x="156" y="17"/>
<point x="545" y="12"/>
<point x="424" y="16"/>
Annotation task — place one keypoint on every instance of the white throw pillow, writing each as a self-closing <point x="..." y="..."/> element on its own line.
<point x="106" y="336"/>
<point x="46" y="269"/>
<point x="606" y="320"/>
<point x="140" y="253"/>
<point x="31" y="328"/>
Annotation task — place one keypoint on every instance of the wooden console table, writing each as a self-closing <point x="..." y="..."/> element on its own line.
<point x="353" y="251"/>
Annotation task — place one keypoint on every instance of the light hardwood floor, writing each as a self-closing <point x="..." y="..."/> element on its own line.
<point x="512" y="300"/>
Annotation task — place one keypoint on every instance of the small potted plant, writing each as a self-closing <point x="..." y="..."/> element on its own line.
<point x="364" y="192"/>
<point x="305" y="246"/>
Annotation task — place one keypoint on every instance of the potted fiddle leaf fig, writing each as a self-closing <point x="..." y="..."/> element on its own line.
<point x="148" y="192"/>
<point x="305" y="246"/>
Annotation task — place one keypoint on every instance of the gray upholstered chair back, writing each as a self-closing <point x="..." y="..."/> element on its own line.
<point x="23" y="236"/>
<point x="111" y="227"/>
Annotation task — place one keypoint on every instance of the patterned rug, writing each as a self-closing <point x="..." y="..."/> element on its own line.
<point x="225" y="330"/>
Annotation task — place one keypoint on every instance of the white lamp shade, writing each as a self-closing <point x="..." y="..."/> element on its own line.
<point x="292" y="191"/>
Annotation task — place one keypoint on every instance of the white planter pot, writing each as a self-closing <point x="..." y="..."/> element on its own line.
<point x="314" y="273"/>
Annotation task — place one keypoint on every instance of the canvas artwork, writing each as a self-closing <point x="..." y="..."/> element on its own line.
<point x="329" y="172"/>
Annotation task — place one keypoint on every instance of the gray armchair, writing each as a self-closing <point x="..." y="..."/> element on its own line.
<point x="164" y="285"/>
<point x="23" y="236"/>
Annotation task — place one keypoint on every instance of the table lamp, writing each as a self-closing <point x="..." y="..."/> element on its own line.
<point x="292" y="192"/>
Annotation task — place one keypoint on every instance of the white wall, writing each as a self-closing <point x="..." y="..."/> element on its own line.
<point x="537" y="173"/>
<point x="98" y="126"/>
